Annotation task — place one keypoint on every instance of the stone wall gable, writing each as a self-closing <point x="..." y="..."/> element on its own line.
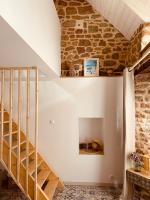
<point x="97" y="39"/>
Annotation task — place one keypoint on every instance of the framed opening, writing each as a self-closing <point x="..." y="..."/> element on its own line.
<point x="91" y="141"/>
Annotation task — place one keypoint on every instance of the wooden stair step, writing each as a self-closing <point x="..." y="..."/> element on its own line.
<point x="46" y="178"/>
<point x="6" y="133"/>
<point x="6" y="126"/>
<point x="32" y="165"/>
<point x="23" y="154"/>
<point x="15" y="143"/>
<point x="5" y="122"/>
<point x="3" y="110"/>
<point x="5" y="116"/>
<point x="42" y="176"/>
<point x="51" y="187"/>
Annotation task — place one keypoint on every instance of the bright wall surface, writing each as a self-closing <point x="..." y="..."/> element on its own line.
<point x="61" y="103"/>
<point x="37" y="23"/>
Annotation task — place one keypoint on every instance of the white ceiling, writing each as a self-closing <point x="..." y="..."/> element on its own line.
<point x="141" y="8"/>
<point x="125" y="15"/>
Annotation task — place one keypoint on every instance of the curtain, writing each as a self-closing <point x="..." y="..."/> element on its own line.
<point x="129" y="121"/>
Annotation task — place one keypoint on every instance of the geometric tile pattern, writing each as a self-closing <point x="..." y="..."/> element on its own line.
<point x="88" y="193"/>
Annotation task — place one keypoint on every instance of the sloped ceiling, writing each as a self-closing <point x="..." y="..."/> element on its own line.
<point x="125" y="15"/>
<point x="141" y="8"/>
<point x="14" y="51"/>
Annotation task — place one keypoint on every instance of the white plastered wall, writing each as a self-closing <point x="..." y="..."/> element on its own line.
<point x="61" y="103"/>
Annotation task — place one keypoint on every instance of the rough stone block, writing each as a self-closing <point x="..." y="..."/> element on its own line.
<point x="84" y="42"/>
<point x="71" y="10"/>
<point x="85" y="10"/>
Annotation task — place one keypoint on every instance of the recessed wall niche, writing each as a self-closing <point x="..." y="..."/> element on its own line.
<point x="91" y="141"/>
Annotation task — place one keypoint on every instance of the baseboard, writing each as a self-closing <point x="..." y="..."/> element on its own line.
<point x="93" y="184"/>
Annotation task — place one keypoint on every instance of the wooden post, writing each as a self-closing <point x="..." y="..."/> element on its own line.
<point x="19" y="120"/>
<point x="27" y="126"/>
<point x="2" y="113"/>
<point x="10" y="116"/>
<point x="36" y="129"/>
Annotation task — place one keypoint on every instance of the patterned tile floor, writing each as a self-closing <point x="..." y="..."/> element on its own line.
<point x="70" y="193"/>
<point x="88" y="193"/>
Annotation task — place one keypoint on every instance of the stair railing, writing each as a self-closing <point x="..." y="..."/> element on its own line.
<point x="11" y="75"/>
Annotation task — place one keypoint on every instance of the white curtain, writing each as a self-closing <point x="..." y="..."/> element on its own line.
<point x="129" y="121"/>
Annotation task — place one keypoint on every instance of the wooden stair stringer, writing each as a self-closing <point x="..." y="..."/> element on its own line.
<point x="60" y="184"/>
<point x="40" y="191"/>
<point x="15" y="180"/>
<point x="12" y="175"/>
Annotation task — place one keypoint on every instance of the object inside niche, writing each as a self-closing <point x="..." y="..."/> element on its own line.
<point x="92" y="147"/>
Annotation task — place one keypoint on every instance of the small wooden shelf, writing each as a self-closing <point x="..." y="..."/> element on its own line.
<point x="90" y="152"/>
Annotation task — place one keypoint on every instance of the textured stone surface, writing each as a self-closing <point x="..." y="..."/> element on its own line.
<point x="138" y="41"/>
<point x="96" y="39"/>
<point x="134" y="47"/>
<point x="142" y="96"/>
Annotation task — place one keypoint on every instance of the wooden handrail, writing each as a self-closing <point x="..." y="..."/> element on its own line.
<point x="9" y="160"/>
<point x="19" y="121"/>
<point x="2" y="112"/>
<point x="36" y="130"/>
<point x="17" y="68"/>
<point x="27" y="125"/>
<point x="10" y="117"/>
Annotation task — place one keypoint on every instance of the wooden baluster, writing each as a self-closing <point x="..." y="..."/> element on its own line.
<point x="36" y="129"/>
<point x="27" y="126"/>
<point x="2" y="113"/>
<point x="19" y="120"/>
<point x="10" y="116"/>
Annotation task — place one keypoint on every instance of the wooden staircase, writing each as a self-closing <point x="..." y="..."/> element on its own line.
<point x="18" y="155"/>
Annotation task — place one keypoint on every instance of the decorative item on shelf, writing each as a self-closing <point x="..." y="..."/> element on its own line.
<point x="91" y="67"/>
<point x="146" y="164"/>
<point x="97" y="145"/>
<point x="76" y="71"/>
<point x="137" y="159"/>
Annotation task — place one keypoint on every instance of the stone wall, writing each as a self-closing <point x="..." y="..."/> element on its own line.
<point x="137" y="43"/>
<point x="142" y="90"/>
<point x="135" y="47"/>
<point x="142" y="94"/>
<point x="96" y="39"/>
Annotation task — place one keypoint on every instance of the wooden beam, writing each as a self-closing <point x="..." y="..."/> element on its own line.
<point x="142" y="67"/>
<point x="145" y="49"/>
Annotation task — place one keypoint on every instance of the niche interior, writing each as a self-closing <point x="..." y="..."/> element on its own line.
<point x="91" y="141"/>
